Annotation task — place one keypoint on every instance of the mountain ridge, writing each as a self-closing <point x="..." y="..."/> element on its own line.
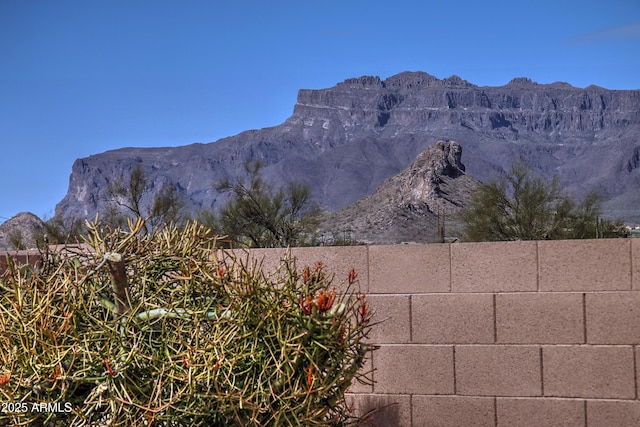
<point x="344" y="141"/>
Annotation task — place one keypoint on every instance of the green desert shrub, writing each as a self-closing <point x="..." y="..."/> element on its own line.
<point x="165" y="329"/>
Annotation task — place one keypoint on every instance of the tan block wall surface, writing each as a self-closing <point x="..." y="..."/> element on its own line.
<point x="430" y="369"/>
<point x="589" y="371"/>
<point x="527" y="412"/>
<point x="394" y="315"/>
<point x="498" y="370"/>
<point x="452" y="318"/>
<point x="497" y="334"/>
<point x="613" y="413"/>
<point x="613" y="318"/>
<point x="453" y="411"/>
<point x="548" y="318"/>
<point x="382" y="409"/>
<point x="585" y="265"/>
<point x="409" y="269"/>
<point x="337" y="261"/>
<point x="493" y="267"/>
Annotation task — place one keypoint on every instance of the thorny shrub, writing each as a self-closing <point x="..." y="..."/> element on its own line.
<point x="165" y="329"/>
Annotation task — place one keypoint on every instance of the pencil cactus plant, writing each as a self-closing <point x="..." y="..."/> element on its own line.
<point x="165" y="329"/>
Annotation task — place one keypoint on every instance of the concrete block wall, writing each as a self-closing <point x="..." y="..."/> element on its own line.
<point x="20" y="257"/>
<point x="497" y="334"/>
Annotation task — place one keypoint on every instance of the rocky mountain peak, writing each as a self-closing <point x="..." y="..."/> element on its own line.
<point x="421" y="182"/>
<point x="21" y="231"/>
<point x="521" y="81"/>
<point x="411" y="205"/>
<point x="410" y="80"/>
<point x="455" y="81"/>
<point x="364" y="82"/>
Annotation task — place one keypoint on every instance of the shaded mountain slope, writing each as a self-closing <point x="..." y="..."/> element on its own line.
<point x="346" y="140"/>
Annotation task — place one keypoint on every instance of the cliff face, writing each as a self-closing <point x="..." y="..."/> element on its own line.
<point x="521" y="109"/>
<point x="346" y="140"/>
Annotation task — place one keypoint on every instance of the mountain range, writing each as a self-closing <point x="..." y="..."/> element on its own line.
<point x="345" y="141"/>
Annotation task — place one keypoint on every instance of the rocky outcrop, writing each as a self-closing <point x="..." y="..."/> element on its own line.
<point x="22" y="231"/>
<point x="422" y="182"/>
<point x="346" y="140"/>
<point x="419" y="204"/>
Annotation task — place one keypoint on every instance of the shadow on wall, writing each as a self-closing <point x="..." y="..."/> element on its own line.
<point x="379" y="411"/>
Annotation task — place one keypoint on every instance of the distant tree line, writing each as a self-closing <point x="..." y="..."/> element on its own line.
<point x="525" y="206"/>
<point x="257" y="214"/>
<point x="518" y="206"/>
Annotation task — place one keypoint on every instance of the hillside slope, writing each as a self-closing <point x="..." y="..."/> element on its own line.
<point x="419" y="204"/>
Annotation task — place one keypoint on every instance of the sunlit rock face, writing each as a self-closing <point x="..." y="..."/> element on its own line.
<point x="414" y="205"/>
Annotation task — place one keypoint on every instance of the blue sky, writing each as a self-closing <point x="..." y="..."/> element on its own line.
<point x="79" y="77"/>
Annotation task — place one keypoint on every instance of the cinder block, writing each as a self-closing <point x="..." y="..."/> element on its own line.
<point x="378" y="410"/>
<point x="540" y="412"/>
<point x="539" y="318"/>
<point x="493" y="267"/>
<point x="410" y="269"/>
<point x="498" y="370"/>
<point x="266" y="258"/>
<point x="393" y="313"/>
<point x="413" y="369"/>
<point x="369" y="377"/>
<point x="637" y="359"/>
<point x="337" y="261"/>
<point x="452" y="318"/>
<point x="635" y="262"/>
<point x="589" y="372"/>
<point x="585" y="265"/>
<point x="613" y="318"/>
<point x="613" y="413"/>
<point x="452" y="411"/>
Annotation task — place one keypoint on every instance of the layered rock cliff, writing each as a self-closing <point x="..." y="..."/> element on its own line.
<point x="346" y="140"/>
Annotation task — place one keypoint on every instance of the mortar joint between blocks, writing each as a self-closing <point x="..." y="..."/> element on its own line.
<point x="584" y="318"/>
<point x="631" y="263"/>
<point x="537" y="266"/>
<point x="450" y="268"/>
<point x="541" y="372"/>
<point x="455" y="379"/>
<point x="410" y="318"/>
<point x="411" y="409"/>
<point x="495" y="320"/>
<point x="635" y="370"/>
<point x="368" y="266"/>
<point x="586" y="415"/>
